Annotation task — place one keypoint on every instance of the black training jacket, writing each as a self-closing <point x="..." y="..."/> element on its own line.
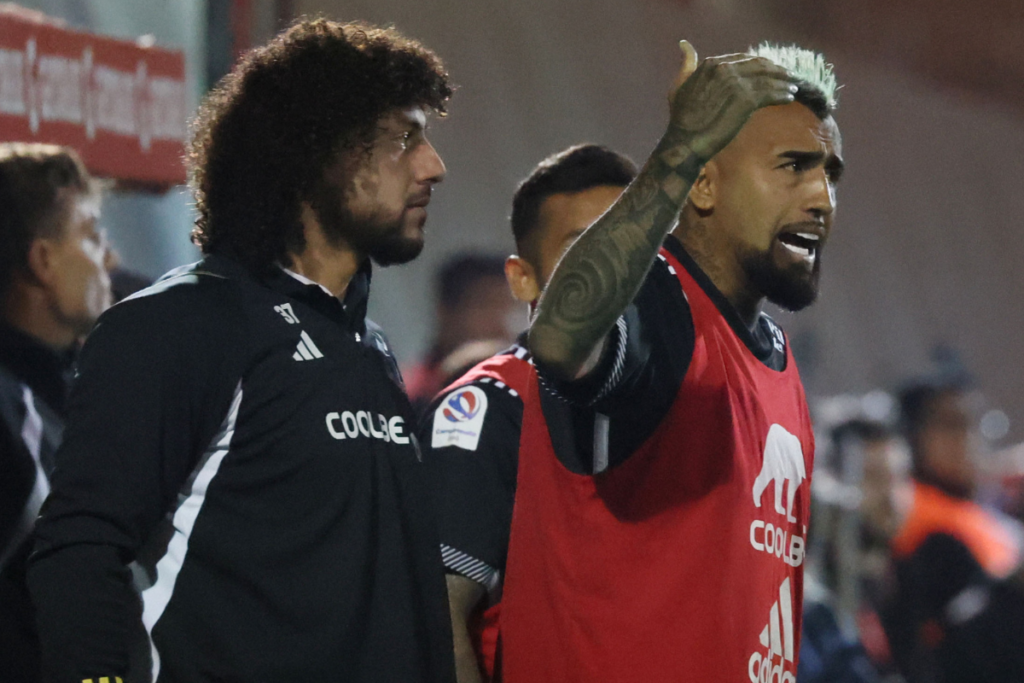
<point x="33" y="397"/>
<point x="247" y="447"/>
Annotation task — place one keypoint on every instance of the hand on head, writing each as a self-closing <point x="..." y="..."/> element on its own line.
<point x="712" y="100"/>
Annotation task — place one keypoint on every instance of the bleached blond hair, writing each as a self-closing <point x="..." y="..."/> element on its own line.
<point x="810" y="68"/>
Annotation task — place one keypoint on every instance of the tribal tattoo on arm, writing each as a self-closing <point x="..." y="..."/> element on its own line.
<point x="600" y="275"/>
<point x="602" y="272"/>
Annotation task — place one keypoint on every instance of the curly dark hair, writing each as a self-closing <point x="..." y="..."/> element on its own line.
<point x="264" y="136"/>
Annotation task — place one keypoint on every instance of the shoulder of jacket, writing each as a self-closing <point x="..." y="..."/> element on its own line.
<point x="504" y="374"/>
<point x="181" y="305"/>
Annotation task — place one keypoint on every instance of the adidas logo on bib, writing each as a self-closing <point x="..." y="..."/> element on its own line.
<point x="778" y="640"/>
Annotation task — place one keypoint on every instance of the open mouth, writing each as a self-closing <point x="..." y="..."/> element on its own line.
<point x="803" y="244"/>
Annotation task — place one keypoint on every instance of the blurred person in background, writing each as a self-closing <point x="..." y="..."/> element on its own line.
<point x="471" y="431"/>
<point x="472" y="305"/>
<point x="239" y="441"/>
<point x="927" y="573"/>
<point x="939" y="425"/>
<point x="860" y="496"/>
<point x="53" y="286"/>
<point x="1011" y="496"/>
<point x="955" y="608"/>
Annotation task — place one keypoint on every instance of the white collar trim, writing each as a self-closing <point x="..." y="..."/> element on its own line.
<point x="306" y="281"/>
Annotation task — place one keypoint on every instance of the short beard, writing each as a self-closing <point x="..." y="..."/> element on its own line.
<point x="791" y="288"/>
<point x="381" y="240"/>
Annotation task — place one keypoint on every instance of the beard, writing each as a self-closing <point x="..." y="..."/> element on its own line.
<point x="380" y="238"/>
<point x="792" y="288"/>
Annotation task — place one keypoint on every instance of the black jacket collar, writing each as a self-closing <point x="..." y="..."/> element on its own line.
<point x="349" y="313"/>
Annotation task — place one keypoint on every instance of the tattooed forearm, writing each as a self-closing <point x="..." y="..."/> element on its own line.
<point x="602" y="272"/>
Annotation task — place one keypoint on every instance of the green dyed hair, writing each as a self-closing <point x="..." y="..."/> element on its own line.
<point x="817" y="79"/>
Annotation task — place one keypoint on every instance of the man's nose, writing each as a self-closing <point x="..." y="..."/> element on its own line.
<point x="430" y="168"/>
<point x="822" y="195"/>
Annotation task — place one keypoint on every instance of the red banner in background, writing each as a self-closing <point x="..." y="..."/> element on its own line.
<point x="122" y="106"/>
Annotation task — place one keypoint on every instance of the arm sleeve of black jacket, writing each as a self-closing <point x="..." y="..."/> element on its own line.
<point x="154" y="381"/>
<point x="475" y="482"/>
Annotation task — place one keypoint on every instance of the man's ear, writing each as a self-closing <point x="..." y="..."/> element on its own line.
<point x="42" y="262"/>
<point x="702" y="193"/>
<point x="522" y="279"/>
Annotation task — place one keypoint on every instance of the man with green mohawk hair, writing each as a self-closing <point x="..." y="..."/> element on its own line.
<point x="662" y="498"/>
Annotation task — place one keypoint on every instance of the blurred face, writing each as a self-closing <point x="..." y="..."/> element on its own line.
<point x="485" y="311"/>
<point x="78" y="284"/>
<point x="376" y="202"/>
<point x="774" y="200"/>
<point x="886" y="472"/>
<point x="945" y="443"/>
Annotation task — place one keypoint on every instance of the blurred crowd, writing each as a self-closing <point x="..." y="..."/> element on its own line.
<point x="915" y="552"/>
<point x="916" y="543"/>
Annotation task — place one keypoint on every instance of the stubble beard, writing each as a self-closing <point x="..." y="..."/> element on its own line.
<point x="381" y="239"/>
<point x="792" y="287"/>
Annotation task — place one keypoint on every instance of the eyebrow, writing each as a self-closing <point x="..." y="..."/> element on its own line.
<point x="834" y="164"/>
<point x="414" y="122"/>
<point x="403" y="124"/>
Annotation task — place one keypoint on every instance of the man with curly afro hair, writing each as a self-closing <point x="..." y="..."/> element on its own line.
<point x="239" y="443"/>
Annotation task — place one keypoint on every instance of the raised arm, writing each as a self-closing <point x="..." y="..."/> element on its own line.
<point x="601" y="273"/>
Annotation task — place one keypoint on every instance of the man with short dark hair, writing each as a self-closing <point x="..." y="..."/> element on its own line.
<point x="660" y="517"/>
<point x="938" y="424"/>
<point x="572" y="171"/>
<point x="472" y="429"/>
<point x="53" y="286"/>
<point x="936" y="420"/>
<point x="239" y="430"/>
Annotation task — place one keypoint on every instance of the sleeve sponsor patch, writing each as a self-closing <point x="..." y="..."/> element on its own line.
<point x="459" y="419"/>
